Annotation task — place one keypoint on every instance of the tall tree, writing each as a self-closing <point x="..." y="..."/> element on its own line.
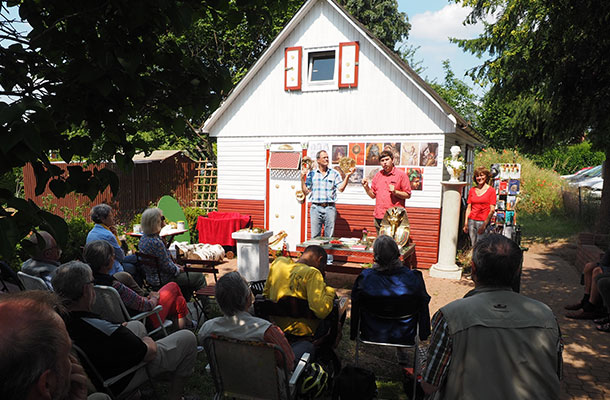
<point x="106" y="68"/>
<point x="554" y="53"/>
<point x="458" y="94"/>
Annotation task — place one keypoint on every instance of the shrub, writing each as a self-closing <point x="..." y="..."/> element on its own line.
<point x="540" y="188"/>
<point x="78" y="228"/>
<point x="191" y="214"/>
<point x="569" y="159"/>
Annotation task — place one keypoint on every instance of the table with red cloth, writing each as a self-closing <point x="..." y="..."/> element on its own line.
<point x="217" y="227"/>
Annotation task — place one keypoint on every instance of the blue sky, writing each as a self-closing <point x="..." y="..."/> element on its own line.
<point x="432" y="23"/>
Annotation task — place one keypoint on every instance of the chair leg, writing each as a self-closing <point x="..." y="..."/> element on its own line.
<point x="414" y="371"/>
<point x="357" y="348"/>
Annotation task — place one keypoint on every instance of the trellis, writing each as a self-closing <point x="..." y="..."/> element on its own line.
<point x="205" y="193"/>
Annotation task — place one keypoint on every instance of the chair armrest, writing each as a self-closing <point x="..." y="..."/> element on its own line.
<point x="111" y="381"/>
<point x="299" y="369"/>
<point x="145" y="314"/>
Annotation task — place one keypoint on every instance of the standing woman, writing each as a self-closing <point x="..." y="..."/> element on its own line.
<point x="151" y="243"/>
<point x="481" y="205"/>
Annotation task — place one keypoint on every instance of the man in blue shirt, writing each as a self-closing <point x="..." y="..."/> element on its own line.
<point x="323" y="183"/>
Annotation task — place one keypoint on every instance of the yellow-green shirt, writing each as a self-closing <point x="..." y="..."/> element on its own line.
<point x="287" y="278"/>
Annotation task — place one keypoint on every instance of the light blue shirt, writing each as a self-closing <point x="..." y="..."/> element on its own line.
<point x="100" y="233"/>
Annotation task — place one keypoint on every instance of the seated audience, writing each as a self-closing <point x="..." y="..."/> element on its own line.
<point x="35" y="359"/>
<point x="100" y="256"/>
<point x="104" y="229"/>
<point x="235" y="298"/>
<point x="44" y="257"/>
<point x="389" y="278"/>
<point x="494" y="343"/>
<point x="304" y="280"/>
<point x="603" y="285"/>
<point x="151" y="243"/>
<point x="113" y="348"/>
<point x="591" y="306"/>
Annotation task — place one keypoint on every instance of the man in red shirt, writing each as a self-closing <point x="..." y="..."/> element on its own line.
<point x="390" y="187"/>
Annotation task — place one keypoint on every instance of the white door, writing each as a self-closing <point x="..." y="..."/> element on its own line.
<point x="285" y="211"/>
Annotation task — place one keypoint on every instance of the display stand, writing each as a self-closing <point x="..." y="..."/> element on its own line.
<point x="252" y="254"/>
<point x="450" y="218"/>
<point x="507" y="184"/>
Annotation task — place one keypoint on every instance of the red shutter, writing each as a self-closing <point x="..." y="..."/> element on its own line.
<point x="348" y="64"/>
<point x="292" y="68"/>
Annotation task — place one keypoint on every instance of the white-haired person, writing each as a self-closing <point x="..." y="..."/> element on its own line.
<point x="100" y="255"/>
<point x="113" y="348"/>
<point x="151" y="243"/>
<point x="235" y="298"/>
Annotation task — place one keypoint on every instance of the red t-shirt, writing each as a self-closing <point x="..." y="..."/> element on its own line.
<point x="381" y="187"/>
<point x="479" y="205"/>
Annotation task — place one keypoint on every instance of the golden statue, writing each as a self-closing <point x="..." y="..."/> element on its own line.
<point x="395" y="224"/>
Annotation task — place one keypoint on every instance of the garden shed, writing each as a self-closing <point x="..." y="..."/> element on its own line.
<point x="327" y="83"/>
<point x="163" y="172"/>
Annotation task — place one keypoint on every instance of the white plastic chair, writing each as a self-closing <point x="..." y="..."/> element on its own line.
<point x="109" y="306"/>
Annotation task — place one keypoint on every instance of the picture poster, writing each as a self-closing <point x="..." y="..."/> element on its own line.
<point x="513" y="186"/>
<point x="509" y="218"/>
<point x="410" y="153"/>
<point x="500" y="218"/>
<point x="372" y="153"/>
<point x="428" y="156"/>
<point x="339" y="151"/>
<point x="510" y="202"/>
<point x="416" y="178"/>
<point x="356" y="152"/>
<point x="501" y="205"/>
<point x="413" y="157"/>
<point x="503" y="187"/>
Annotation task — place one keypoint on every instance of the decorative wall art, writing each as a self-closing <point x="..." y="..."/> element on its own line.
<point x="416" y="178"/>
<point x="394" y="148"/>
<point x="356" y="177"/>
<point x="410" y="153"/>
<point x="356" y="152"/>
<point x="370" y="172"/>
<point x="428" y="156"/>
<point x="372" y="153"/>
<point x="339" y="151"/>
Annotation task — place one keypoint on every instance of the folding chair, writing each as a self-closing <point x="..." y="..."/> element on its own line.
<point x="249" y="370"/>
<point x="32" y="282"/>
<point x="9" y="280"/>
<point x="384" y="311"/>
<point x="150" y="264"/>
<point x="109" y="306"/>
<point x="205" y="267"/>
<point x="104" y="385"/>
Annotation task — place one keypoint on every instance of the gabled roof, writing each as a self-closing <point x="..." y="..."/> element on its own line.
<point x="400" y="64"/>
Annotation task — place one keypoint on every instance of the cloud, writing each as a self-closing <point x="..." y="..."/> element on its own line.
<point x="439" y="25"/>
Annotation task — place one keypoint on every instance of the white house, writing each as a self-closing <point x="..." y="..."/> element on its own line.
<point x="327" y="83"/>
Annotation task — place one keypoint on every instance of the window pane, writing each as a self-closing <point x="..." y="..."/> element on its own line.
<point x="322" y="66"/>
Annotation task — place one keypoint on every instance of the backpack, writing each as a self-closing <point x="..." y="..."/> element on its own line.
<point x="354" y="383"/>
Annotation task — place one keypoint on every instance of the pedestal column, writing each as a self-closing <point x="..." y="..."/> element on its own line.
<point x="252" y="254"/>
<point x="450" y="219"/>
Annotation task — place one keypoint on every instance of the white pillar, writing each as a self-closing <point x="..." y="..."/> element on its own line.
<point x="450" y="219"/>
<point x="252" y="254"/>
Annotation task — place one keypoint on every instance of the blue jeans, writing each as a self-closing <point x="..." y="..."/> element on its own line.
<point x="322" y="216"/>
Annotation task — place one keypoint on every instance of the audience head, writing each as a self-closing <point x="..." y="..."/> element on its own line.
<point x="102" y="214"/>
<point x="386" y="253"/>
<point x="73" y="281"/>
<point x="496" y="261"/>
<point x="314" y="256"/>
<point x="34" y="347"/>
<point x="99" y="254"/>
<point x="45" y="247"/>
<point x="233" y="294"/>
<point x="152" y="221"/>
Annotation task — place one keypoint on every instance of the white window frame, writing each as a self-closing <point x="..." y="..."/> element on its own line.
<point x="311" y="86"/>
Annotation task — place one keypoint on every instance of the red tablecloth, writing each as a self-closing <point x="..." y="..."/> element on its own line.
<point x="217" y="227"/>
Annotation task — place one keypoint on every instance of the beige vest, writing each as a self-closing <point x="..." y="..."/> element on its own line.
<point x="242" y="326"/>
<point x="505" y="346"/>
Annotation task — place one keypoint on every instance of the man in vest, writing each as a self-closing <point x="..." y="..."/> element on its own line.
<point x="235" y="298"/>
<point x="494" y="343"/>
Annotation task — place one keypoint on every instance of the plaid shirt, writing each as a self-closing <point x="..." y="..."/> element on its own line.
<point x="439" y="351"/>
<point x="323" y="186"/>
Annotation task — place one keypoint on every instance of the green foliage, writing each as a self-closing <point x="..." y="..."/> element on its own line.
<point x="13" y="182"/>
<point x="569" y="159"/>
<point x="458" y="94"/>
<point x="382" y="18"/>
<point x="191" y="214"/>
<point x="540" y="188"/>
<point x="78" y="228"/>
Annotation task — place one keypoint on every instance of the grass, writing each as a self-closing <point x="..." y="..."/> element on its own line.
<point x="550" y="228"/>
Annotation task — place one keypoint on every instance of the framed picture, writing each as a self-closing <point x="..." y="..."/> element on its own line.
<point x="339" y="151"/>
<point x="428" y="155"/>
<point x="514" y="186"/>
<point x="409" y="153"/>
<point x="356" y="177"/>
<point x="393" y="148"/>
<point x="356" y="151"/>
<point x="416" y="178"/>
<point x="372" y="153"/>
<point x="370" y="172"/>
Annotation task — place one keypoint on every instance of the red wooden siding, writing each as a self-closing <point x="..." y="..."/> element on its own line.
<point x="145" y="184"/>
<point x="425" y="224"/>
<point x="253" y="208"/>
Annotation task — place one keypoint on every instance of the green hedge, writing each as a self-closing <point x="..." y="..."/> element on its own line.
<point x="569" y="159"/>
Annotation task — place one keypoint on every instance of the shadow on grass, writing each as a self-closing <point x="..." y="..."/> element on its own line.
<point x="548" y="229"/>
